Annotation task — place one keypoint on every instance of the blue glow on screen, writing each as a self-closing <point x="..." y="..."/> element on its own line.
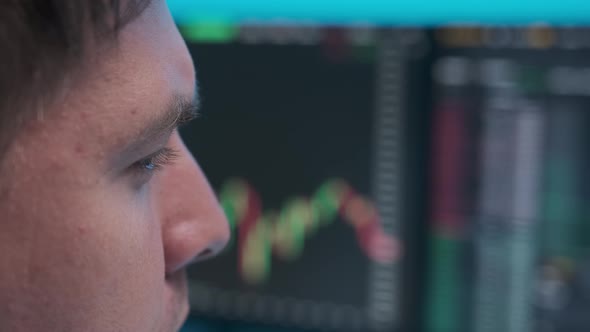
<point x="384" y="11"/>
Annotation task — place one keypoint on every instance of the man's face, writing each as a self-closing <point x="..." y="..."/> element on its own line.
<point x="97" y="218"/>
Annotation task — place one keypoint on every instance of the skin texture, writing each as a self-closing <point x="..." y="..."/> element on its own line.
<point x="88" y="242"/>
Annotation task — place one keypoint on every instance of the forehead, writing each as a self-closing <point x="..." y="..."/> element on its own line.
<point x="136" y="79"/>
<point x="150" y="57"/>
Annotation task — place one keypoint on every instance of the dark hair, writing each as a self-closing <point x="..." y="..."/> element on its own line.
<point x="41" y="41"/>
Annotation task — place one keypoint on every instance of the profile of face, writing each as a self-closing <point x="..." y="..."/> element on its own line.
<point x="102" y="207"/>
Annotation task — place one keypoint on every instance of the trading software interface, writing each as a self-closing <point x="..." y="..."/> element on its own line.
<point x="406" y="179"/>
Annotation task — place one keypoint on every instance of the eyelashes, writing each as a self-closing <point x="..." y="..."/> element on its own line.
<point x="156" y="161"/>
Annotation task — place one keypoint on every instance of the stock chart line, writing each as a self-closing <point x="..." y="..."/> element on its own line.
<point x="283" y="233"/>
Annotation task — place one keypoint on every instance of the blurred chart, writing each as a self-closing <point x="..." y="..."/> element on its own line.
<point x="300" y="137"/>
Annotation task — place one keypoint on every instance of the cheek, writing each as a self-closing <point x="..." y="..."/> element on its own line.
<point x="98" y="258"/>
<point x="124" y="237"/>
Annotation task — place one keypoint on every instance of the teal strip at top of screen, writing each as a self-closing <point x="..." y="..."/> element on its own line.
<point x="383" y="12"/>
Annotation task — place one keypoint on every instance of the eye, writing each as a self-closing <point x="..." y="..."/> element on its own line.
<point x="156" y="161"/>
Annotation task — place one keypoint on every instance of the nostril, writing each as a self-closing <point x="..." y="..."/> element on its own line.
<point x="205" y="254"/>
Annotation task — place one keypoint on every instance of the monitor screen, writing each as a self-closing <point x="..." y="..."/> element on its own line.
<point x="385" y="179"/>
<point x="302" y="141"/>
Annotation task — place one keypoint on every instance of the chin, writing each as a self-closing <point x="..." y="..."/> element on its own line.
<point x="182" y="316"/>
<point x="174" y="318"/>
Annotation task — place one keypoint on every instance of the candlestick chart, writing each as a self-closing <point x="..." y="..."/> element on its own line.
<point x="294" y="164"/>
<point x="261" y="234"/>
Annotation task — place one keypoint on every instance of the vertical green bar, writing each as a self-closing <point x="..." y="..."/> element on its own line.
<point x="443" y="285"/>
<point x="562" y="208"/>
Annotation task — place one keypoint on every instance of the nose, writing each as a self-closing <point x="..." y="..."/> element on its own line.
<point x="193" y="225"/>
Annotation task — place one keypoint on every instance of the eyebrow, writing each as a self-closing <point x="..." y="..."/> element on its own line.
<point x="180" y="111"/>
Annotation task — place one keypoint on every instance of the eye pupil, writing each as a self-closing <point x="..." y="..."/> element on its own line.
<point x="150" y="166"/>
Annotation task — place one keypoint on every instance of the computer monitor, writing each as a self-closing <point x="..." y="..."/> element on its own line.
<point x="395" y="178"/>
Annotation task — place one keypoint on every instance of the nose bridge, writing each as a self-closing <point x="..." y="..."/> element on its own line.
<point x="193" y="224"/>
